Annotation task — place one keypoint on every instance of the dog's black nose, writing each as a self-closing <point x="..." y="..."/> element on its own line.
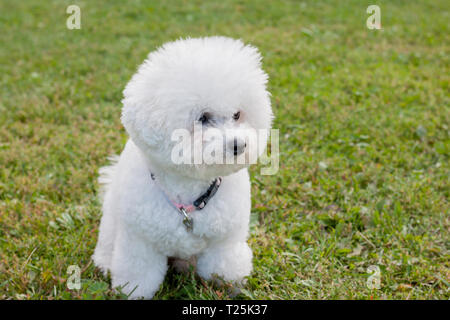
<point x="238" y="146"/>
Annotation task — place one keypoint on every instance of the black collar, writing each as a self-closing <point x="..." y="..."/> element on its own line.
<point x="203" y="200"/>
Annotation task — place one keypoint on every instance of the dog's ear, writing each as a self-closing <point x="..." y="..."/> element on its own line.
<point x="141" y="124"/>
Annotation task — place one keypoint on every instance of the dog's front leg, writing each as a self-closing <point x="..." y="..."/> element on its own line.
<point x="230" y="261"/>
<point x="137" y="267"/>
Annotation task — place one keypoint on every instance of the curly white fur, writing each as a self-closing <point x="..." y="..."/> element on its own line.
<point x="139" y="228"/>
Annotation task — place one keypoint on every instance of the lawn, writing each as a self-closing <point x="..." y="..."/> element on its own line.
<point x="364" y="143"/>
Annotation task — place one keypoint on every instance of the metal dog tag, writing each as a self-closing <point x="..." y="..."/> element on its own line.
<point x="187" y="221"/>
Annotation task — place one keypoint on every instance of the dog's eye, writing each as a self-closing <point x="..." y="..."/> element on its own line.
<point x="204" y="118"/>
<point x="236" y="115"/>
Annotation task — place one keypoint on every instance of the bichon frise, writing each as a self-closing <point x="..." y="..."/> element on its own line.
<point x="156" y="207"/>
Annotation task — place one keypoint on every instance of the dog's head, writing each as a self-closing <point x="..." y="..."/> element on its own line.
<point x="199" y="106"/>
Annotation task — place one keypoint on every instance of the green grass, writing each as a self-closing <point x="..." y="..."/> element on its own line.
<point x="364" y="139"/>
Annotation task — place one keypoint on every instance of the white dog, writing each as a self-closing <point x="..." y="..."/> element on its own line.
<point x="154" y="208"/>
